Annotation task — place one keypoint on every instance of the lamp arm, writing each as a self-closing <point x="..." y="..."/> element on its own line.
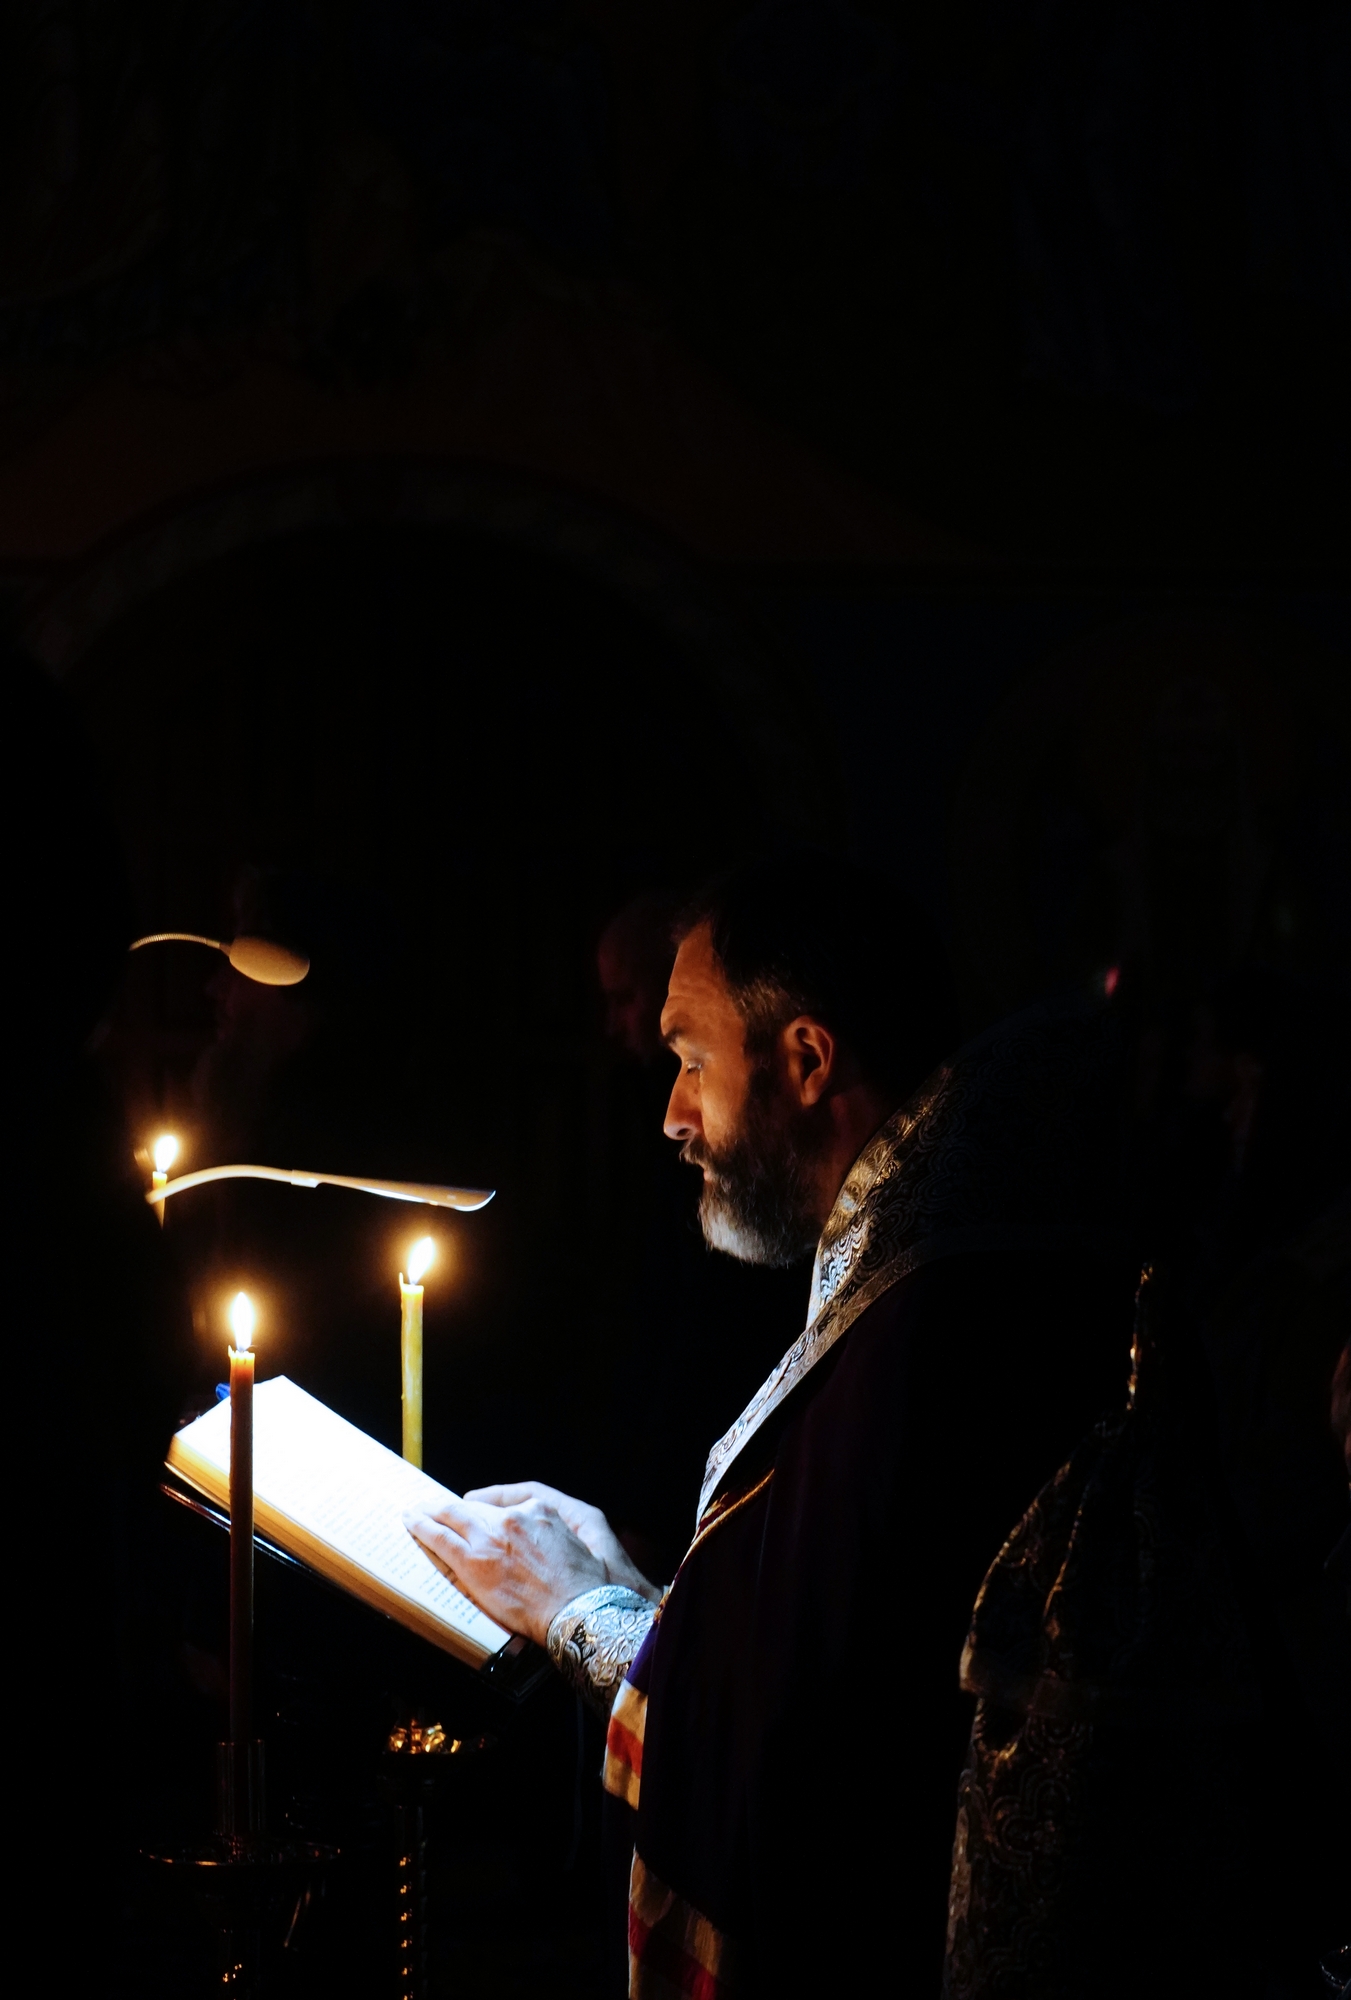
<point x="267" y="964"/>
<point x="465" y="1199"/>
<point x="177" y="937"/>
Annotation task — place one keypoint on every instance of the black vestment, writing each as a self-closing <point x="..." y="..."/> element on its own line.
<point x="795" y="1715"/>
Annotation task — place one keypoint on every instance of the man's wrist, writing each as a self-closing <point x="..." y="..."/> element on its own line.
<point x="594" y="1639"/>
<point x="630" y="1577"/>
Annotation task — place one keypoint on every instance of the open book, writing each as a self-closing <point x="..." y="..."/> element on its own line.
<point x="331" y="1496"/>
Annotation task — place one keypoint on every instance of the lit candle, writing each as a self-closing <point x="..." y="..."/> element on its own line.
<point x="164" y="1154"/>
<point x="410" y="1345"/>
<point x="241" y="1521"/>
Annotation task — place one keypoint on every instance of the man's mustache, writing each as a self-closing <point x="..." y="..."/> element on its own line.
<point x="698" y="1154"/>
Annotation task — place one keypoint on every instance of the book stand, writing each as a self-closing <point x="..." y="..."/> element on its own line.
<point x="254" y="1893"/>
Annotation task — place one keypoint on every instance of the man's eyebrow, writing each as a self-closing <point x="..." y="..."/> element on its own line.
<point x="676" y="1034"/>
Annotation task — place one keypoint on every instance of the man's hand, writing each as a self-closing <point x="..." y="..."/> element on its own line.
<point x="521" y="1559"/>
<point x="586" y="1522"/>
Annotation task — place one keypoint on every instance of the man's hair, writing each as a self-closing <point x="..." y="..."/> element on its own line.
<point x="801" y="931"/>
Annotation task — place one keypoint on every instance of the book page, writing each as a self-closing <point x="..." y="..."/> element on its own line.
<point x="341" y="1487"/>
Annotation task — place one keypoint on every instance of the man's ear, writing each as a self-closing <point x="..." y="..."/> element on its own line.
<point x="812" y="1054"/>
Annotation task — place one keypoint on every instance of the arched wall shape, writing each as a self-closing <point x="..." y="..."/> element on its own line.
<point x="65" y="618"/>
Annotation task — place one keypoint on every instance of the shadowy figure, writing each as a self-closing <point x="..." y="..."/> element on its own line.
<point x="1161" y="1651"/>
<point x="633" y="963"/>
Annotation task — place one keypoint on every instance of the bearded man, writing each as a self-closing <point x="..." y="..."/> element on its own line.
<point x="785" y="1718"/>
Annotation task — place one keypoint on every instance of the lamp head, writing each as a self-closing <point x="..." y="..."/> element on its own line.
<point x="267" y="963"/>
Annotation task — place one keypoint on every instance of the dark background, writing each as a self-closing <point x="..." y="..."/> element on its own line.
<point x="466" y="464"/>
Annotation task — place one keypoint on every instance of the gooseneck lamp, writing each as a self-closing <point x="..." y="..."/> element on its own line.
<point x="257" y="958"/>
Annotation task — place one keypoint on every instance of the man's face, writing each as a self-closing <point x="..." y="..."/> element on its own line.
<point x="735" y="1118"/>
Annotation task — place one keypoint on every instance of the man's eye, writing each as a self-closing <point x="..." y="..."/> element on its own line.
<point x="692" y="1065"/>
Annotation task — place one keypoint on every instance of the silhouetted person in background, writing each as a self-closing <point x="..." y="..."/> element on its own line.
<point x="1269" y="1292"/>
<point x="1161" y="1651"/>
<point x="633" y="964"/>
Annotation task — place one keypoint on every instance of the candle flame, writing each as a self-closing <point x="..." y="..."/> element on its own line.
<point x="165" y="1152"/>
<point x="420" y="1258"/>
<point x="242" y="1320"/>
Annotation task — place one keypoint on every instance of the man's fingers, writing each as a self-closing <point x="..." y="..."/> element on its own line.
<point x="434" y="1533"/>
<point x="461" y="1515"/>
<point x="449" y="1553"/>
<point x="511" y="1495"/>
<point x="518" y="1563"/>
<point x="445" y="1547"/>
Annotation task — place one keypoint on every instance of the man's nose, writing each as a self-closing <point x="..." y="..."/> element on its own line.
<point x="682" y="1112"/>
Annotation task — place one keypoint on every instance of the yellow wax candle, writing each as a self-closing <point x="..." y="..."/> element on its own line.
<point x="164" y="1154"/>
<point x="410" y="1346"/>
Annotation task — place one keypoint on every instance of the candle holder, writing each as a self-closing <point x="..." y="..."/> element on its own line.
<point x="241" y="1794"/>
<point x="241" y="1901"/>
<point x="246" y="1906"/>
<point x="419" y="1757"/>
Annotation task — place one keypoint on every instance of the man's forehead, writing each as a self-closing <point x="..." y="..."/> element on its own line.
<point x="698" y="996"/>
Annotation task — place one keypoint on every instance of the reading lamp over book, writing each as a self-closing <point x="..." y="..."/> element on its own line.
<point x="257" y="958"/>
<point x="272" y="964"/>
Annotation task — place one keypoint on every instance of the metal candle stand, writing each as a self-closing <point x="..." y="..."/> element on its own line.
<point x="254" y="1896"/>
<point x="254" y="1893"/>
<point x="417" y="1756"/>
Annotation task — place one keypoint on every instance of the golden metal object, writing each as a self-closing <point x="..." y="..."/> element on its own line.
<point x="417" y="1739"/>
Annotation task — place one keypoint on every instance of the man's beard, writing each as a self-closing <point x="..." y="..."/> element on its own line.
<point x="759" y="1202"/>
